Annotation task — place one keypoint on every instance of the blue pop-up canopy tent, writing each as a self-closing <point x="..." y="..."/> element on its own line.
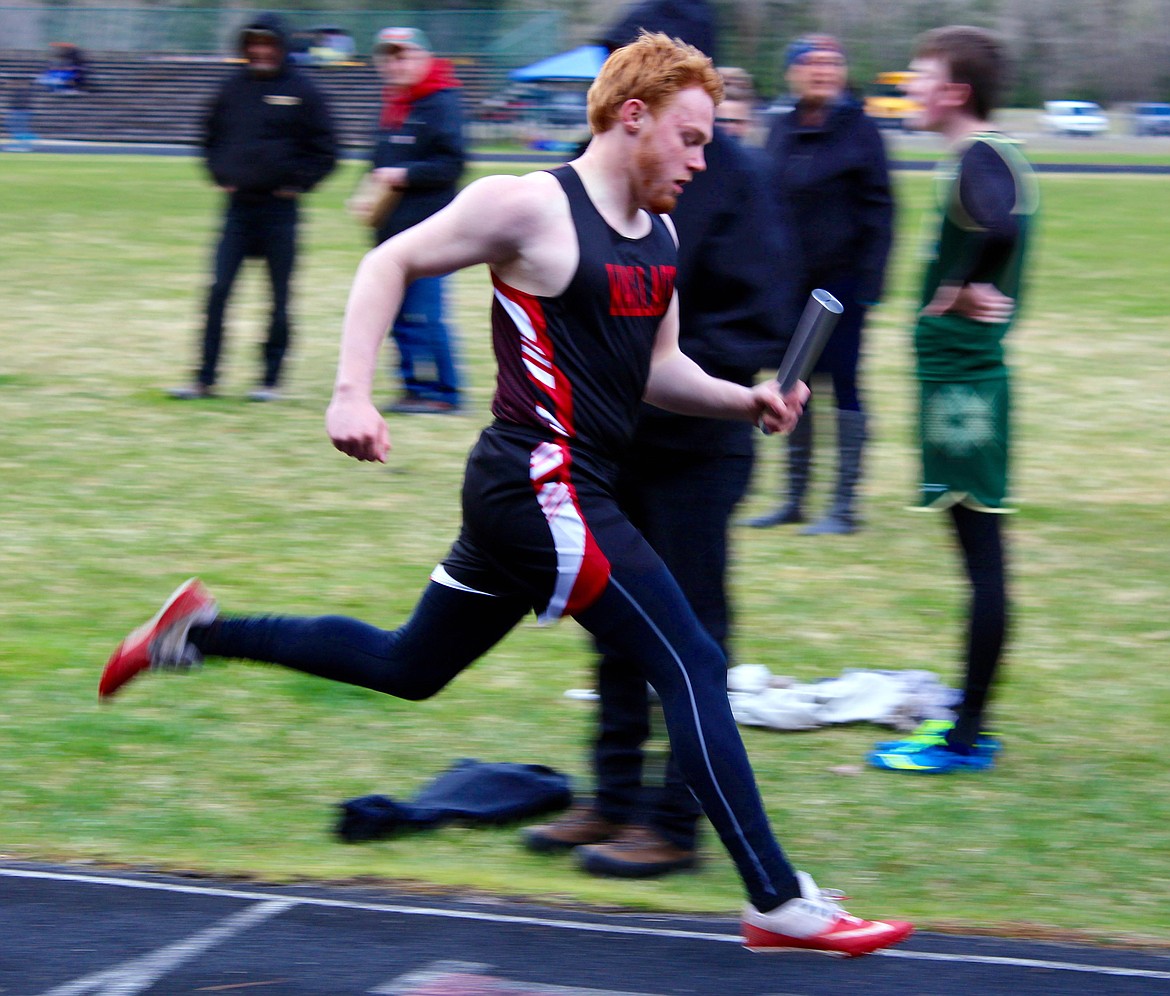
<point x="582" y="63"/>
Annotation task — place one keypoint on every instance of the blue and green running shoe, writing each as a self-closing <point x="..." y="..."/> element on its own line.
<point x="929" y="733"/>
<point x="934" y="759"/>
<point x="933" y="733"/>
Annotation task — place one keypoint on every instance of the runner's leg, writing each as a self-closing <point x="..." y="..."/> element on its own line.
<point x="448" y="631"/>
<point x="644" y="615"/>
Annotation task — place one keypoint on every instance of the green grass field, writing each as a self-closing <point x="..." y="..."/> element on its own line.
<point x="112" y="494"/>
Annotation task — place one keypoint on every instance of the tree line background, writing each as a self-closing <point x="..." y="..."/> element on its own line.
<point x="1110" y="51"/>
<point x="1104" y="50"/>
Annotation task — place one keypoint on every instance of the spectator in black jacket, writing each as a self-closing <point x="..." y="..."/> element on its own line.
<point x="268" y="138"/>
<point x="831" y="175"/>
<point x="691" y="20"/>
<point x="419" y="152"/>
<point x="679" y="483"/>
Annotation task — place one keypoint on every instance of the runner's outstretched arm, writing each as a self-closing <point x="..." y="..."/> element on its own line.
<point x="489" y="222"/>
<point x="680" y="385"/>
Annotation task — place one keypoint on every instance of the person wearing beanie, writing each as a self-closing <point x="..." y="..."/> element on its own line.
<point x="832" y="178"/>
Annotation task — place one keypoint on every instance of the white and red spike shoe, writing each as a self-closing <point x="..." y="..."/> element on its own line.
<point x="815" y="922"/>
<point x="161" y="642"/>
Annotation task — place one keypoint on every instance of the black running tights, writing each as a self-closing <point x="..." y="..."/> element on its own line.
<point x="981" y="541"/>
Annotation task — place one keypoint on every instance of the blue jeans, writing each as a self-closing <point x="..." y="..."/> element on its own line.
<point x="426" y="358"/>
<point x="264" y="226"/>
<point x="20" y="126"/>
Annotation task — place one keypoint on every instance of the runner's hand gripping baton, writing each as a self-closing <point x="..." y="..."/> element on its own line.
<point x="812" y="332"/>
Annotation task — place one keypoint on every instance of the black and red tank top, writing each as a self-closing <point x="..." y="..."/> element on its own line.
<point x="574" y="367"/>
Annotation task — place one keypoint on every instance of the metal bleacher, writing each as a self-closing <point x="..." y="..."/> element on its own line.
<point x="160" y="99"/>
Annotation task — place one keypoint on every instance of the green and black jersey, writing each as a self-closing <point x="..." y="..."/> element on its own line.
<point x="986" y="198"/>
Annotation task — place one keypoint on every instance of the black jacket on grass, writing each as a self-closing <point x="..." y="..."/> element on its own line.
<point x="263" y="134"/>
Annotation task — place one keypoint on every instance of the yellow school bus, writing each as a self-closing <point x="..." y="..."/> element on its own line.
<point x="886" y="103"/>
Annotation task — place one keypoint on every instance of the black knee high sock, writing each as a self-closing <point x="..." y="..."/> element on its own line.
<point x="981" y="540"/>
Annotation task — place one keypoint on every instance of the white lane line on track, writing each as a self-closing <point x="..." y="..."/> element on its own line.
<point x="474" y="977"/>
<point x="600" y="928"/>
<point x="141" y="973"/>
<point x="1054" y="966"/>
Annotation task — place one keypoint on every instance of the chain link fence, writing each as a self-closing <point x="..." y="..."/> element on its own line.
<point x="512" y="38"/>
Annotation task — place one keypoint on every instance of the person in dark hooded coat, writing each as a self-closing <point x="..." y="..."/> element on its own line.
<point x="831" y="176"/>
<point x="268" y="138"/>
<point x="691" y="20"/>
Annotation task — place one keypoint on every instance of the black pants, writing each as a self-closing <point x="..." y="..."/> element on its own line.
<point x="682" y="503"/>
<point x="842" y="353"/>
<point x="261" y="226"/>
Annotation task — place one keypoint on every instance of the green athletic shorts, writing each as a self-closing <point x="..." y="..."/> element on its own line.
<point x="964" y="428"/>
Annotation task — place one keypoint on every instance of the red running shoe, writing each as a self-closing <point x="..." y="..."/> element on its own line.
<point x="814" y="922"/>
<point x="162" y="642"/>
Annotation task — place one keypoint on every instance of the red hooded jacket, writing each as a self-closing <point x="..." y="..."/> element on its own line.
<point x="396" y="101"/>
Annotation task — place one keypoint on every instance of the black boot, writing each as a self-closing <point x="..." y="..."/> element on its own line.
<point x="842" y="517"/>
<point x="799" y="466"/>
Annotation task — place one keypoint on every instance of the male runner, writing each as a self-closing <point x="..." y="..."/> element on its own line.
<point x="585" y="324"/>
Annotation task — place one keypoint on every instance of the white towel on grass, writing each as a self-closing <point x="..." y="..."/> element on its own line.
<point x="901" y="699"/>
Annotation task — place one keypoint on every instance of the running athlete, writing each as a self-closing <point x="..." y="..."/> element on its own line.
<point x="987" y="194"/>
<point x="585" y="325"/>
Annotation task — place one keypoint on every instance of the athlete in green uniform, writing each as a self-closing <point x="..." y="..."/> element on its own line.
<point x="986" y="197"/>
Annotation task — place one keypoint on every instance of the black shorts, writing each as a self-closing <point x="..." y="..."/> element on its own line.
<point x="540" y="522"/>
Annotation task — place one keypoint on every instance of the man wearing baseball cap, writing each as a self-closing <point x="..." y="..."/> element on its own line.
<point x="392" y="38"/>
<point x="419" y="152"/>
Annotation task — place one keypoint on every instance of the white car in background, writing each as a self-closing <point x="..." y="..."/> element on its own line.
<point x="1073" y="117"/>
<point x="1151" y="119"/>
